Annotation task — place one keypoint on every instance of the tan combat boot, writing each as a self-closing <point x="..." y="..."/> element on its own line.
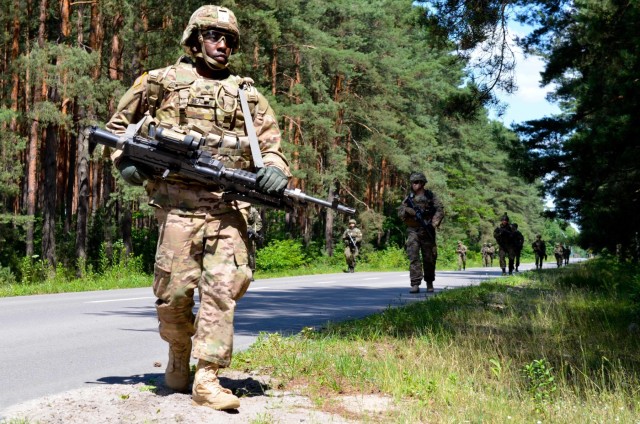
<point x="207" y="390"/>
<point x="176" y="376"/>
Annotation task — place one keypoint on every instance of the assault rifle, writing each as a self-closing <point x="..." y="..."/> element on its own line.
<point x="253" y="235"/>
<point x="166" y="152"/>
<point x="426" y="224"/>
<point x="352" y="243"/>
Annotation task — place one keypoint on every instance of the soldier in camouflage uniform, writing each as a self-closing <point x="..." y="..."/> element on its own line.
<point x="491" y="251"/>
<point x="203" y="240"/>
<point x="461" y="251"/>
<point x="351" y="237"/>
<point x="558" y="252"/>
<point x="507" y="244"/>
<point x="421" y="233"/>
<point x="519" y="240"/>
<point x="540" y="250"/>
<point x="566" y="254"/>
<point x="254" y="225"/>
<point x="484" y="255"/>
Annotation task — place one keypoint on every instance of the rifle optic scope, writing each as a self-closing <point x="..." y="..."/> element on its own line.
<point x="180" y="142"/>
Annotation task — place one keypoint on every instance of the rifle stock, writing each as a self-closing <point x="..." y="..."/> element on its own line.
<point x="166" y="154"/>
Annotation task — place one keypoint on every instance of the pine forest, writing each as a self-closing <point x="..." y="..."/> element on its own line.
<point x="365" y="92"/>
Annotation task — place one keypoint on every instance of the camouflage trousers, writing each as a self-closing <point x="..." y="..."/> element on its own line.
<point x="351" y="256"/>
<point x="208" y="253"/>
<point x="539" y="259"/>
<point x="251" y="248"/>
<point x="559" y="259"/>
<point x="462" y="262"/>
<point x="503" y="255"/>
<point x="422" y="253"/>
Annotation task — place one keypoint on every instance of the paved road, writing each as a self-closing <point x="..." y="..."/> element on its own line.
<point x="54" y="343"/>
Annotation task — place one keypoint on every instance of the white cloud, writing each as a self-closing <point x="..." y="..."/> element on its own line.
<point x="529" y="100"/>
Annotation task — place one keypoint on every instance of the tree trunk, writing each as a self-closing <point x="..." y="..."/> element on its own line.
<point x="83" y="203"/>
<point x="15" y="76"/>
<point x="34" y="141"/>
<point x="328" y="227"/>
<point x="125" y="225"/>
<point x="82" y="172"/>
<point x="50" y="193"/>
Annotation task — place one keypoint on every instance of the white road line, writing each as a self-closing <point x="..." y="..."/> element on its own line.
<point x="119" y="300"/>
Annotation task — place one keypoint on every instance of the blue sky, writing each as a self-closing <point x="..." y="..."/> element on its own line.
<point x="528" y="102"/>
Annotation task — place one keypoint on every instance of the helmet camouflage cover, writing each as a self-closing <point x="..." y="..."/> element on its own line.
<point x="211" y="16"/>
<point x="417" y="176"/>
<point x="352" y="221"/>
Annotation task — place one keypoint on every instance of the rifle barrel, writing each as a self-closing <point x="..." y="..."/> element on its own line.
<point x="107" y="138"/>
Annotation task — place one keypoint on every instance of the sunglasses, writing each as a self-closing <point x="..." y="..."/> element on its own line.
<point x="216" y="36"/>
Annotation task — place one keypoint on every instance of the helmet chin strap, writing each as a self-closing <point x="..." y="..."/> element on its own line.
<point x="210" y="62"/>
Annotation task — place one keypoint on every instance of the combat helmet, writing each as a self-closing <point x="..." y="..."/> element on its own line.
<point x="417" y="177"/>
<point x="352" y="221"/>
<point x="505" y="217"/>
<point x="210" y="17"/>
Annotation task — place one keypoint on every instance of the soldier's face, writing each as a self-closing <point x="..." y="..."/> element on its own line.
<point x="218" y="44"/>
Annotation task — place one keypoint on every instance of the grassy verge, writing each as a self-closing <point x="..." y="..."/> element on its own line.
<point x="557" y="346"/>
<point x="124" y="278"/>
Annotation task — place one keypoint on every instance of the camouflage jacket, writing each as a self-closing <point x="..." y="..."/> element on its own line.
<point x="428" y="203"/>
<point x="506" y="237"/>
<point x="519" y="239"/>
<point x="355" y="234"/>
<point x="539" y="247"/>
<point x="178" y="97"/>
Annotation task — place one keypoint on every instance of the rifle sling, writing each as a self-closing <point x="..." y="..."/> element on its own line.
<point x="251" y="130"/>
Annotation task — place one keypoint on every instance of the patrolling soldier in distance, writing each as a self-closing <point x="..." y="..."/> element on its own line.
<point x="422" y="212"/>
<point x="461" y="251"/>
<point x="519" y="240"/>
<point x="540" y="250"/>
<point x="202" y="239"/>
<point x="566" y="254"/>
<point x="507" y="244"/>
<point x="558" y="252"/>
<point x="491" y="251"/>
<point x="254" y="226"/>
<point x="351" y="237"/>
<point x="483" y="255"/>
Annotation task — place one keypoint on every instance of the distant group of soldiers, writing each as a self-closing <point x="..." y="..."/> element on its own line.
<point x="510" y="243"/>
<point x="562" y="254"/>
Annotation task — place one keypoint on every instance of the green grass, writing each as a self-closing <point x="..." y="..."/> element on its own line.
<point x="125" y="273"/>
<point x="557" y="346"/>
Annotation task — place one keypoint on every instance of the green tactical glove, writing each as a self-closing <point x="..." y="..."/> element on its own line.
<point x="271" y="180"/>
<point x="131" y="172"/>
